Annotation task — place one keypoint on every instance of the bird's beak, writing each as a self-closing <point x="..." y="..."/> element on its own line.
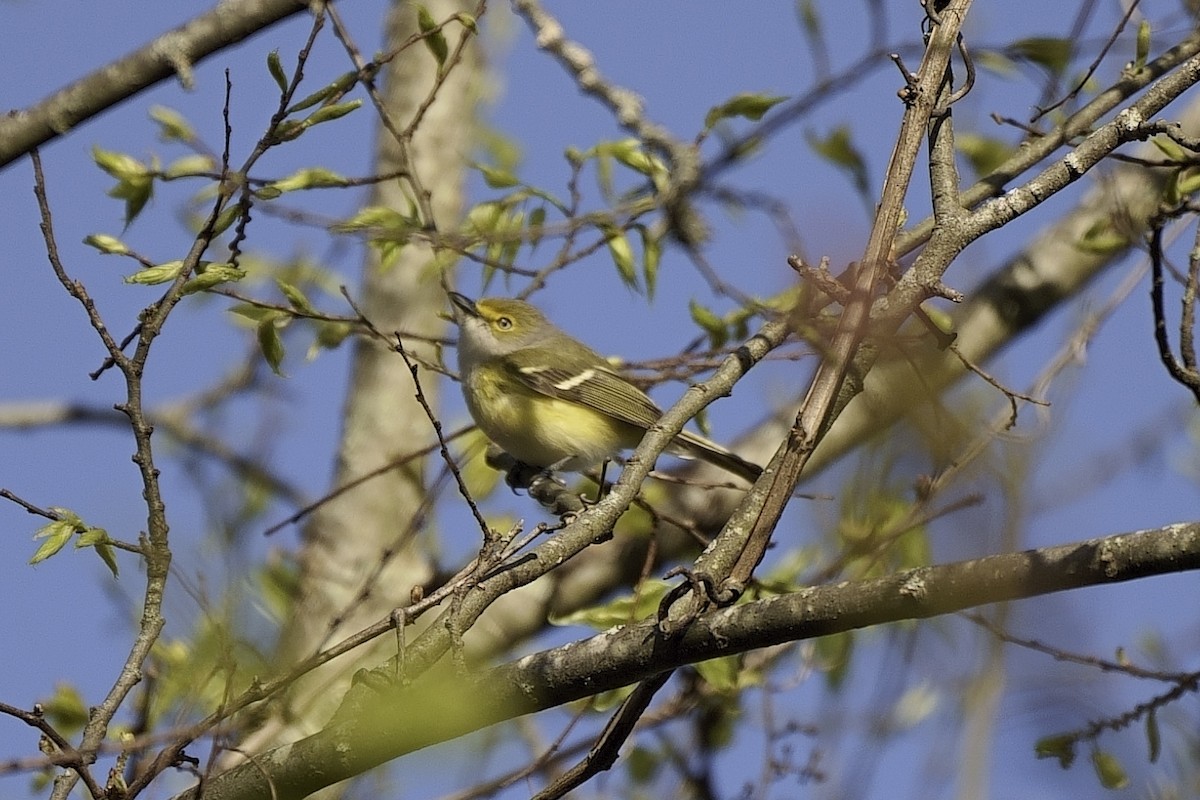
<point x="463" y="306"/>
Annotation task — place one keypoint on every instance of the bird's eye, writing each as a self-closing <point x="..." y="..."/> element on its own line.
<point x="503" y="323"/>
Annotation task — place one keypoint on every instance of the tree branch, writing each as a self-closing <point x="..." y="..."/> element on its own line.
<point x="437" y="709"/>
<point x="173" y="53"/>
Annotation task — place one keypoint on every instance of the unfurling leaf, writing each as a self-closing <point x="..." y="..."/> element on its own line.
<point x="651" y="257"/>
<point x="985" y="153"/>
<point x="327" y="113"/>
<point x="1142" y="51"/>
<point x="435" y="40"/>
<point x="497" y="178"/>
<point x="109" y="245"/>
<point x="210" y="275"/>
<point x="97" y="539"/>
<point x="172" y="125"/>
<point x="622" y="255"/>
<point x="749" y="105"/>
<point x="271" y="345"/>
<point x="1109" y="770"/>
<point x="189" y="165"/>
<point x="838" y="149"/>
<point x="152" y="276"/>
<point x="333" y="90"/>
<point x="56" y="535"/>
<point x="295" y="297"/>
<point x="1103" y="238"/>
<point x="714" y="326"/>
<point x="1051" y="53"/>
<point x="275" y="67"/>
<point x="309" y="178"/>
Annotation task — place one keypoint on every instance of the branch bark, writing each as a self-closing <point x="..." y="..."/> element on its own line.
<point x="438" y="708"/>
<point x="173" y="53"/>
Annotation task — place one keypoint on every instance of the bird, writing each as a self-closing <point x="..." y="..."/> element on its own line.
<point x="552" y="402"/>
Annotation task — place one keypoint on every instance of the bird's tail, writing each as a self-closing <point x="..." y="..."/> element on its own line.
<point x="696" y="446"/>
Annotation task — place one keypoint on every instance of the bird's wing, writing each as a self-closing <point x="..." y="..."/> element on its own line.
<point x="595" y="387"/>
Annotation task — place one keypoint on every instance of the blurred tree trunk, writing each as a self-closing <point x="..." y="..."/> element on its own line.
<point x="362" y="552"/>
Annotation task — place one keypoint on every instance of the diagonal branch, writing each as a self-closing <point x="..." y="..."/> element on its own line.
<point x="439" y="708"/>
<point x="746" y="536"/>
<point x="173" y="53"/>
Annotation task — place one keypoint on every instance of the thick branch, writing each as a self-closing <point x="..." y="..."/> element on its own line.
<point x="173" y="53"/>
<point x="437" y="709"/>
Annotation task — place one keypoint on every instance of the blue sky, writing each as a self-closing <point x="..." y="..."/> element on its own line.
<point x="61" y="621"/>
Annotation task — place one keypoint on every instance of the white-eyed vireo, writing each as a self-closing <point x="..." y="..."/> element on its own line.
<point x="551" y="401"/>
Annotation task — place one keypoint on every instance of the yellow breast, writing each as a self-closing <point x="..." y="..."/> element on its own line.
<point x="540" y="430"/>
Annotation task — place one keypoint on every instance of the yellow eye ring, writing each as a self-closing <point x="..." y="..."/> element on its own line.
<point x="504" y="323"/>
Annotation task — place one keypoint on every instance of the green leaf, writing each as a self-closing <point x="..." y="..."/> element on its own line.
<point x="253" y="313"/>
<point x="749" y="105"/>
<point x="482" y="219"/>
<point x="109" y="245"/>
<point x="152" y="276"/>
<point x="173" y="127"/>
<point x="985" y="153"/>
<point x="713" y="325"/>
<point x="511" y="241"/>
<point x="226" y="218"/>
<point x="833" y="656"/>
<point x="480" y="478"/>
<point x="329" y="336"/>
<point x="631" y="153"/>
<point x="642" y="764"/>
<point x="189" y="165"/>
<point x="1170" y="148"/>
<point x="497" y="178"/>
<point x="995" y="62"/>
<point x="135" y="180"/>
<point x="308" y="178"/>
<point x="136" y="194"/>
<point x="1059" y="746"/>
<point x="380" y="219"/>
<point x="65" y="709"/>
<point x="271" y="345"/>
<point x="56" y="534"/>
<point x="1142" y="49"/>
<point x="720" y="673"/>
<point x="342" y="84"/>
<point x="331" y="112"/>
<point x="604" y="174"/>
<point x="295" y="297"/>
<point x="838" y="149"/>
<point x="651" y="257"/>
<point x="211" y="275"/>
<point x="1187" y="182"/>
<point x="807" y="11"/>
<point x="97" y="538"/>
<point x="467" y="21"/>
<point x="622" y="255"/>
<point x="1103" y="238"/>
<point x="1051" y="53"/>
<point x="288" y="130"/>
<point x="119" y="165"/>
<point x="537" y="219"/>
<point x="1109" y="770"/>
<point x="619" y="611"/>
<point x="435" y="40"/>
<point x="275" y="67"/>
